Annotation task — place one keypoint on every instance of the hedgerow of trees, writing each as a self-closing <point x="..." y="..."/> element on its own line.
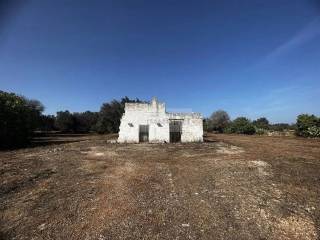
<point x="21" y="117"/>
<point x="219" y="121"/>
<point x="105" y="121"/>
<point x="78" y="122"/>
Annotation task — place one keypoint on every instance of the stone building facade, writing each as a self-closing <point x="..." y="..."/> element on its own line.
<point x="149" y="122"/>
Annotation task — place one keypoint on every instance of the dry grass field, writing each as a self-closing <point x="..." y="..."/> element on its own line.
<point x="230" y="187"/>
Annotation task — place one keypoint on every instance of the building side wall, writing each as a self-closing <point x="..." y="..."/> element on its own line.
<point x="158" y="127"/>
<point x="192" y="130"/>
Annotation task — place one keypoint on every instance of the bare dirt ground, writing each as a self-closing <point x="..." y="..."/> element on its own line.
<point x="231" y="187"/>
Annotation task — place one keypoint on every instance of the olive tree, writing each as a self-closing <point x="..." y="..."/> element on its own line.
<point x="218" y="121"/>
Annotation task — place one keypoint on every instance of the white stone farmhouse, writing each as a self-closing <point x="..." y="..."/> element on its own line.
<point x="149" y="122"/>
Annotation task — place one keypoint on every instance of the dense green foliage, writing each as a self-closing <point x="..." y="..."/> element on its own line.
<point x="64" y="121"/>
<point x="261" y="123"/>
<point x="218" y="121"/>
<point x="105" y="121"/>
<point x="19" y="117"/>
<point x="82" y="122"/>
<point x="109" y="117"/>
<point x="308" y="126"/>
<point x="241" y="125"/>
<point x="85" y="121"/>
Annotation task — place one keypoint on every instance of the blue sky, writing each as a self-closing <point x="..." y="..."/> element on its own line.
<point x="251" y="58"/>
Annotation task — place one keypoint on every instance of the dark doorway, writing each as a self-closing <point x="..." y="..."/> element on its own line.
<point x="175" y="127"/>
<point x="143" y="133"/>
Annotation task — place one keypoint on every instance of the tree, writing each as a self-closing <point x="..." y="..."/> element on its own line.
<point x="19" y="117"/>
<point x="110" y="115"/>
<point x="305" y="122"/>
<point x="65" y="121"/>
<point x="262" y="123"/>
<point x="78" y="122"/>
<point x="242" y="125"/>
<point x="218" y="121"/>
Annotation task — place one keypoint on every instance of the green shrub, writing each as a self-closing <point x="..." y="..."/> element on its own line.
<point x="242" y="125"/>
<point x="228" y="129"/>
<point x="261" y="123"/>
<point x="305" y="124"/>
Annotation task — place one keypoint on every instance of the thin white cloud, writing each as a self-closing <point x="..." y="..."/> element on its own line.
<point x="309" y="32"/>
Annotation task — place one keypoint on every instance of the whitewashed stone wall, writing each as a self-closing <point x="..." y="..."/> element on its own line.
<point x="154" y="114"/>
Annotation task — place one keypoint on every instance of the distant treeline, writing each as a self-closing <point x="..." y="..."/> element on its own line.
<point x="305" y="126"/>
<point x="20" y="117"/>
<point x="107" y="120"/>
